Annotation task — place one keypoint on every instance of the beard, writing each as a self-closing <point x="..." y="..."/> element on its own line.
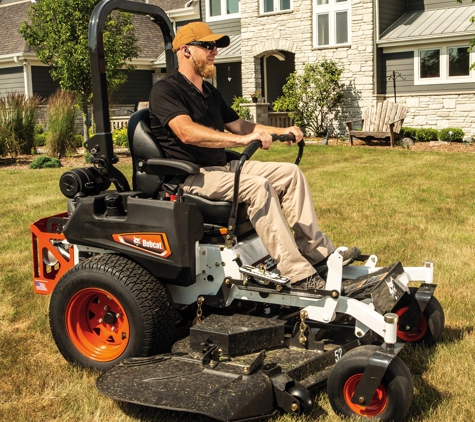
<point x="205" y="70"/>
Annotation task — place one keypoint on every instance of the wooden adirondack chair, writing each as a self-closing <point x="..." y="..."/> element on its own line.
<point x="378" y="122"/>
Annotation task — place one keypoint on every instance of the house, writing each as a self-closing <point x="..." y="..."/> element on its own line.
<point x="21" y="71"/>
<point x="424" y="42"/>
<point x="418" y="46"/>
<point x="428" y="46"/>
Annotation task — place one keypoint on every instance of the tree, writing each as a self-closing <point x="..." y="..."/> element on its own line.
<point x="58" y="31"/>
<point x="312" y="97"/>
<point x="472" y="42"/>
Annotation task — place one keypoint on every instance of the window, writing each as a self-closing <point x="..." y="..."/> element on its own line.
<point x="222" y="9"/>
<point x="270" y="6"/>
<point x="331" y="22"/>
<point x="430" y="63"/>
<point x="447" y="64"/>
<point x="459" y="61"/>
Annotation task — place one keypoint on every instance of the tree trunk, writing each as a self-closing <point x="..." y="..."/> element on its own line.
<point x="85" y="121"/>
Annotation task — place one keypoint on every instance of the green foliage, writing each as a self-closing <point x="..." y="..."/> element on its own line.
<point x="58" y="31"/>
<point x="43" y="161"/>
<point x="472" y="42"/>
<point x="426" y="134"/>
<point x="313" y="96"/>
<point x="243" y="112"/>
<point x="17" y="123"/>
<point x="40" y="139"/>
<point x="457" y="134"/>
<point x="408" y="132"/>
<point x="256" y="94"/>
<point x="120" y="138"/>
<point x="78" y="141"/>
<point x="61" y="113"/>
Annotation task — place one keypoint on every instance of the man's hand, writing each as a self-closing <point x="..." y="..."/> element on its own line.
<point x="260" y="135"/>
<point x="294" y="130"/>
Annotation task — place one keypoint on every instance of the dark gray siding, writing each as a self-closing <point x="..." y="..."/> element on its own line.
<point x="43" y="84"/>
<point x="404" y="64"/>
<point x="389" y="12"/>
<point x="417" y="5"/>
<point x="432" y="4"/>
<point x="228" y="26"/>
<point x="233" y="88"/>
<point x="380" y="72"/>
<point x="136" y="89"/>
<point x="11" y="80"/>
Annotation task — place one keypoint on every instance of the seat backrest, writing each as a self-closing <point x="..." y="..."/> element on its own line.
<point x="377" y="118"/>
<point x="143" y="146"/>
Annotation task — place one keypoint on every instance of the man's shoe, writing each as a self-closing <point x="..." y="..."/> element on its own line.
<point x="314" y="282"/>
<point x="350" y="255"/>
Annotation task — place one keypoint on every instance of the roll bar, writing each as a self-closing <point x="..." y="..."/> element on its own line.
<point x="100" y="145"/>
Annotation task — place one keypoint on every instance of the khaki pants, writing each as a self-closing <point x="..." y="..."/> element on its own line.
<point x="269" y="189"/>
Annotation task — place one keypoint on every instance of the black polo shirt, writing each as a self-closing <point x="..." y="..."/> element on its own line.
<point x="174" y="96"/>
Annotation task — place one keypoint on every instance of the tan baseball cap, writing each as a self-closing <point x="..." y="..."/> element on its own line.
<point x="198" y="31"/>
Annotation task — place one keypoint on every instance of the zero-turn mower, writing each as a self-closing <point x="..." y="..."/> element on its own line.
<point x="175" y="297"/>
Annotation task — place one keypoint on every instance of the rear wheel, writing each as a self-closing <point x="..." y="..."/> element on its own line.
<point x="393" y="395"/>
<point x="108" y="308"/>
<point x="430" y="326"/>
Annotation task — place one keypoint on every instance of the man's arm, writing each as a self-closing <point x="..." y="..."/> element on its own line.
<point x="242" y="126"/>
<point x="192" y="133"/>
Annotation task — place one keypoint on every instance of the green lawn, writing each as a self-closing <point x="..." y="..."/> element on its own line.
<point x="398" y="204"/>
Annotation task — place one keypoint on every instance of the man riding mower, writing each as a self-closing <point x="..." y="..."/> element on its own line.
<point x="177" y="298"/>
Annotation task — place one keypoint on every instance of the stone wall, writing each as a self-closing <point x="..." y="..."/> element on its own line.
<point x="441" y="111"/>
<point x="292" y="31"/>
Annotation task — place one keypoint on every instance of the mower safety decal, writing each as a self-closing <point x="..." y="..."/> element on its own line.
<point x="152" y="243"/>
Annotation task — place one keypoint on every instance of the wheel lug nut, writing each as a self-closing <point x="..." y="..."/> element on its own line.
<point x="118" y="315"/>
<point x="112" y="328"/>
<point x="106" y="308"/>
<point x="100" y="320"/>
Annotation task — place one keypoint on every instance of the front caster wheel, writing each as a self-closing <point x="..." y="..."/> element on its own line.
<point x="304" y="397"/>
<point x="392" y="398"/>
<point x="430" y="326"/>
<point x="108" y="308"/>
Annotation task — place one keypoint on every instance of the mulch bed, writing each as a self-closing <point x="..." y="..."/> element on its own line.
<point x="77" y="160"/>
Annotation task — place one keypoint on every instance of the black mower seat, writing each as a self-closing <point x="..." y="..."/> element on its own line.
<point x="151" y="169"/>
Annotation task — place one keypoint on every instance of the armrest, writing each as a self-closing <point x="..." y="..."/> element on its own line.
<point x="391" y="124"/>
<point x="395" y="121"/>
<point x="168" y="167"/>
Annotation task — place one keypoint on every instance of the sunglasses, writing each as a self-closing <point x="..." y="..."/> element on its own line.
<point x="209" y="45"/>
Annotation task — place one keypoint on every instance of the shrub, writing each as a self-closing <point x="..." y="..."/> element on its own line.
<point x="120" y="138"/>
<point x="243" y="112"/>
<point x="408" y="132"/>
<point x="78" y="141"/>
<point x="17" y="122"/>
<point x="43" y="161"/>
<point x="40" y="139"/>
<point x="426" y="134"/>
<point x="312" y="97"/>
<point x="61" y="115"/>
<point x="457" y="134"/>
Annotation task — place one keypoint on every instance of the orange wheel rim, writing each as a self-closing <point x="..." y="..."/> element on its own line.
<point x="97" y="325"/>
<point x="419" y="331"/>
<point x="377" y="405"/>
